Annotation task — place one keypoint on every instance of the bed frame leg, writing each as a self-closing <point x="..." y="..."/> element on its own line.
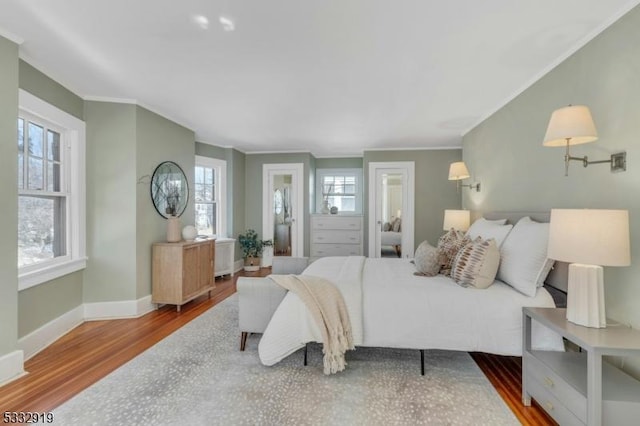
<point x="243" y="340"/>
<point x="306" y="347"/>
<point x="422" y="361"/>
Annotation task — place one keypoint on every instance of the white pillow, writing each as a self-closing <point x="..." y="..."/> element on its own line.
<point x="488" y="229"/>
<point x="524" y="263"/>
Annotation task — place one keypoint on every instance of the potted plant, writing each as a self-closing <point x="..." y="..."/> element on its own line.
<point x="267" y="253"/>
<point x="251" y="250"/>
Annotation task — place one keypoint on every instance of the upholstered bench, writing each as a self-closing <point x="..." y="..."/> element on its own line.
<point x="258" y="298"/>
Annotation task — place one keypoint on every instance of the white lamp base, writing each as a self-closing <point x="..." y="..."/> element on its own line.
<point x="585" y="296"/>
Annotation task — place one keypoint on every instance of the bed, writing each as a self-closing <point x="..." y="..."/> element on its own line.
<point x="391" y="307"/>
<point x="391" y="235"/>
<point x="392" y="239"/>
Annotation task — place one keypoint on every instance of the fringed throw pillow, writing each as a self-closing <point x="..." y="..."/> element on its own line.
<point x="476" y="264"/>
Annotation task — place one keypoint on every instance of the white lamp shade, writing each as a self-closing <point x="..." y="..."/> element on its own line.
<point x="456" y="219"/>
<point x="573" y="123"/>
<point x="590" y="237"/>
<point x="458" y="171"/>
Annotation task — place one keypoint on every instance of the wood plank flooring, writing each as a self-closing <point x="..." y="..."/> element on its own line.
<point x="94" y="349"/>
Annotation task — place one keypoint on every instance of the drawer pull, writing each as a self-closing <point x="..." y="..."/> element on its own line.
<point x="548" y="406"/>
<point x="353" y="238"/>
<point x="320" y="238"/>
<point x="548" y="382"/>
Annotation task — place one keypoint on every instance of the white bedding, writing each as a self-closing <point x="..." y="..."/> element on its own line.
<point x="390" y="238"/>
<point x="401" y="310"/>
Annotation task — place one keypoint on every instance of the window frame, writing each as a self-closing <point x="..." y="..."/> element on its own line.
<point x="220" y="184"/>
<point x="355" y="172"/>
<point x="72" y="132"/>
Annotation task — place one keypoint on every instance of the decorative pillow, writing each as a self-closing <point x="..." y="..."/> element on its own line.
<point x="386" y="227"/>
<point x="448" y="246"/>
<point x="476" y="264"/>
<point x="525" y="264"/>
<point x="487" y="229"/>
<point x="395" y="226"/>
<point x="426" y="260"/>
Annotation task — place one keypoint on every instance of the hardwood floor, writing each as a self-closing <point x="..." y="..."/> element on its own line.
<point x="94" y="349"/>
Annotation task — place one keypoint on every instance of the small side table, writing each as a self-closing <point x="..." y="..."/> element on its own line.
<point x="579" y="387"/>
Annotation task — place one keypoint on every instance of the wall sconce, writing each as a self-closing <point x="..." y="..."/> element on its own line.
<point x="573" y="125"/>
<point x="459" y="171"/>
<point x="456" y="219"/>
<point x="588" y="239"/>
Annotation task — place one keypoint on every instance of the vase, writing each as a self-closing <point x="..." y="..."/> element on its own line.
<point x="189" y="233"/>
<point x="325" y="207"/>
<point x="252" y="264"/>
<point x="174" y="233"/>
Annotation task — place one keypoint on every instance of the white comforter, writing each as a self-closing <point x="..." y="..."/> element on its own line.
<point x="391" y="307"/>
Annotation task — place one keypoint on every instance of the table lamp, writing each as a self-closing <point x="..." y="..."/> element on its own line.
<point x="588" y="239"/>
<point x="456" y="219"/>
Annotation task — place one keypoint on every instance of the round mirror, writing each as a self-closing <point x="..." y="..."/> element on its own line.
<point x="169" y="189"/>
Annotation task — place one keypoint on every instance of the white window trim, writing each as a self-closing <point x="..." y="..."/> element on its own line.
<point x="320" y="173"/>
<point x="74" y="136"/>
<point x="220" y="166"/>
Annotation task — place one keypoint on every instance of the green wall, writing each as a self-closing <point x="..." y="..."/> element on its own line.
<point x="9" y="191"/>
<point x="237" y="210"/>
<point x="49" y="90"/>
<point x="505" y="152"/>
<point x="157" y="140"/>
<point x="48" y="301"/>
<point x="30" y="314"/>
<point x="433" y="191"/>
<point x="339" y="163"/>
<point x="212" y="151"/>
<point x="111" y="202"/>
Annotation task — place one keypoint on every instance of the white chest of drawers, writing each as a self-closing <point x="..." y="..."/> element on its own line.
<point x="334" y="235"/>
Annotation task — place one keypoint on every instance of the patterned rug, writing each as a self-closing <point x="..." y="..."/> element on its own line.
<point x="197" y="376"/>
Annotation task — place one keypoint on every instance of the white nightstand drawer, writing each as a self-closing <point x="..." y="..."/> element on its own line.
<point x="336" y="222"/>
<point x="321" y="250"/>
<point x="340" y="237"/>
<point x="556" y="385"/>
<point x="551" y="404"/>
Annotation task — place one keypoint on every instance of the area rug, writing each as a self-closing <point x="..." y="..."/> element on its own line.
<point x="197" y="376"/>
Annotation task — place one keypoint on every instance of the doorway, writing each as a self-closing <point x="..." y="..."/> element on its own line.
<point x="282" y="216"/>
<point x="391" y="209"/>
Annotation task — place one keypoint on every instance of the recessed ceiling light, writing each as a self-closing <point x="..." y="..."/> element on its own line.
<point x="202" y="21"/>
<point x="227" y="23"/>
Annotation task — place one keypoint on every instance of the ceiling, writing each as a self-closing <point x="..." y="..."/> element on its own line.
<point x="332" y="77"/>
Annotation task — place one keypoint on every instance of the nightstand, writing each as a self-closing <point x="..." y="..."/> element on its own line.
<point x="578" y="388"/>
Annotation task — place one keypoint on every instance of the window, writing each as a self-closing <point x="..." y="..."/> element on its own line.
<point x="340" y="188"/>
<point x="50" y="192"/>
<point x="210" y="196"/>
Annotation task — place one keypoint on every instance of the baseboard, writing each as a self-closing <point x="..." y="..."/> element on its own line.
<point x="11" y="366"/>
<point x="39" y="339"/>
<point x="118" y="310"/>
<point x="238" y="265"/>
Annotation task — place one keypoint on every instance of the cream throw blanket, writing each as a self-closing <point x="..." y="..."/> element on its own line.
<point x="329" y="311"/>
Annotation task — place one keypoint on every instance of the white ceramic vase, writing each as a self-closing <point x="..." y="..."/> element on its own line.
<point x="189" y="233"/>
<point x="173" y="229"/>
